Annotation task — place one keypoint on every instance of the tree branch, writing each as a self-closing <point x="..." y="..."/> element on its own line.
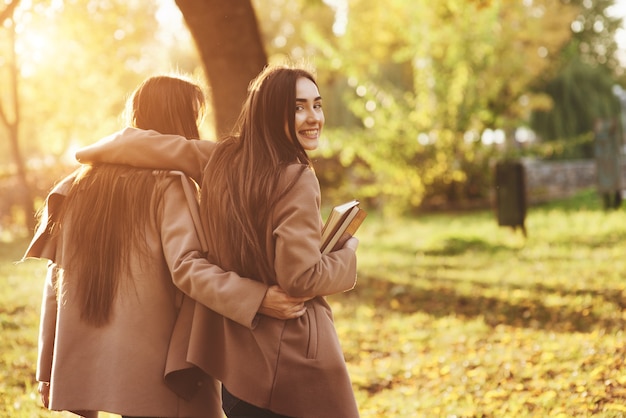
<point x="8" y="11"/>
<point x="4" y="15"/>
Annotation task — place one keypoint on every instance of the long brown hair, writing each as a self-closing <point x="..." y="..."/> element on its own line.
<point x="167" y="104"/>
<point x="105" y="213"/>
<point x="240" y="187"/>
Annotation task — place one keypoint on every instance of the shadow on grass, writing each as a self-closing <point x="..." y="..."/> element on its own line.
<point x="456" y="246"/>
<point x="442" y="301"/>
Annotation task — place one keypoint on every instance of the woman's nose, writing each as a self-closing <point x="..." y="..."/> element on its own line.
<point x="313" y="116"/>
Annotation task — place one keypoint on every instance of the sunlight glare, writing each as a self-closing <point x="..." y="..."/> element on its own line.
<point x="31" y="48"/>
<point x="618" y="10"/>
<point x="173" y="30"/>
<point x="341" y="15"/>
<point x="34" y="41"/>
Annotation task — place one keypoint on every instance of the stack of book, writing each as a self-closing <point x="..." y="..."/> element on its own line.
<point x="342" y="223"/>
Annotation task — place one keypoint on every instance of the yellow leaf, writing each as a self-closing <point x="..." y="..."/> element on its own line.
<point x="615" y="407"/>
<point x="549" y="395"/>
<point x="496" y="393"/>
<point x="596" y="372"/>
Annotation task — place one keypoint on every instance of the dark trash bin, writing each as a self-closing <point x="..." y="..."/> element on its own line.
<point x="511" y="194"/>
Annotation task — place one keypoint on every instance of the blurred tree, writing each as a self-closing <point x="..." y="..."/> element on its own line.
<point x="228" y="40"/>
<point x="78" y="60"/>
<point x="289" y="28"/>
<point x="426" y="80"/>
<point x="593" y="34"/>
<point x="75" y="63"/>
<point x="10" y="118"/>
<point x="582" y="89"/>
<point x="581" y="94"/>
<point x="7" y="12"/>
<point x="302" y="31"/>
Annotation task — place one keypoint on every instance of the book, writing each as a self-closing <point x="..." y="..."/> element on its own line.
<point x="335" y="216"/>
<point x="342" y="223"/>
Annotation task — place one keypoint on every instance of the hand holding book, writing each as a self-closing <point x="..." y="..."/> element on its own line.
<point x="342" y="223"/>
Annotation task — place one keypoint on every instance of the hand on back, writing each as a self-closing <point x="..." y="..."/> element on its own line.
<point x="278" y="304"/>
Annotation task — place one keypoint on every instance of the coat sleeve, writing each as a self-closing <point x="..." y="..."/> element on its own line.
<point x="47" y="326"/>
<point x="226" y="293"/>
<point x="301" y="269"/>
<point x="150" y="149"/>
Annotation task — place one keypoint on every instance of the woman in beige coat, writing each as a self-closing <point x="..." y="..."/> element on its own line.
<point x="125" y="246"/>
<point x="260" y="207"/>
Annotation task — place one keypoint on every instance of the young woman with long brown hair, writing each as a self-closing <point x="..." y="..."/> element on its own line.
<point x="260" y="205"/>
<point x="125" y="247"/>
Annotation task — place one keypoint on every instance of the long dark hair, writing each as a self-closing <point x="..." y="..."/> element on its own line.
<point x="167" y="104"/>
<point x="240" y="187"/>
<point x="106" y="210"/>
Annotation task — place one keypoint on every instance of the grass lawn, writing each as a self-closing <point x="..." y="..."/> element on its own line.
<point x="452" y="316"/>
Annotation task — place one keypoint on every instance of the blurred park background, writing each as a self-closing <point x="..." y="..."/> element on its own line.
<point x="455" y="313"/>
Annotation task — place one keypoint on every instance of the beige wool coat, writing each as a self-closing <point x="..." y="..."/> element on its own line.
<point x="121" y="367"/>
<point x="293" y="367"/>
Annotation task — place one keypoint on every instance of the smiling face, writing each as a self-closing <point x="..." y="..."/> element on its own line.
<point x="309" y="116"/>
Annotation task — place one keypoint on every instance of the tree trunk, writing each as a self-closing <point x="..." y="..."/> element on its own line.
<point x="227" y="36"/>
<point x="12" y="126"/>
<point x="7" y="13"/>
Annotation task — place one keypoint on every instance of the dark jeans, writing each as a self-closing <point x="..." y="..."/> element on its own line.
<point x="236" y="408"/>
